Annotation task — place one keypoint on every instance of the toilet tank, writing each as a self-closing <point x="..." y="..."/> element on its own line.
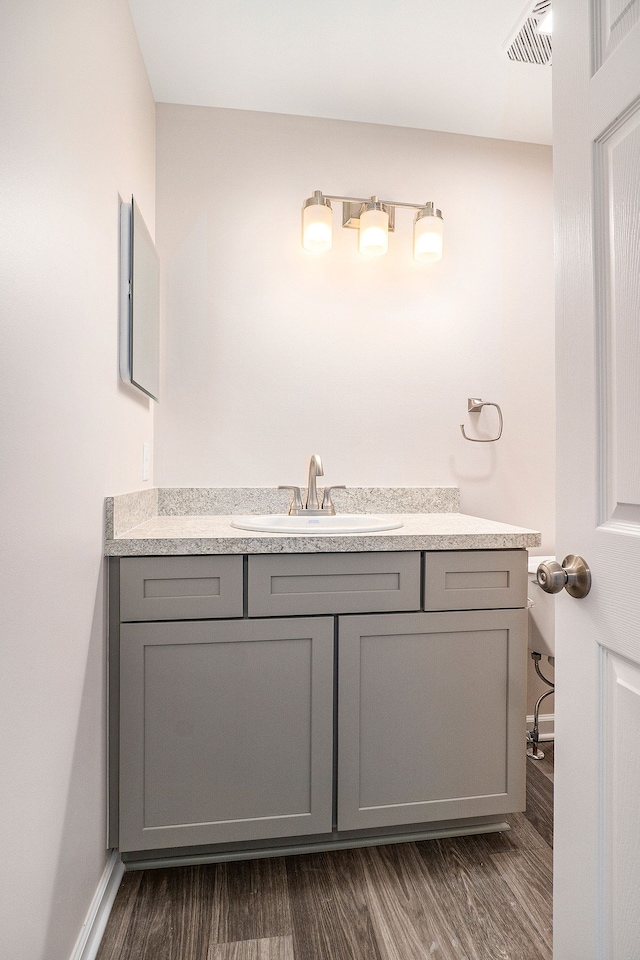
<point x="541" y="613"/>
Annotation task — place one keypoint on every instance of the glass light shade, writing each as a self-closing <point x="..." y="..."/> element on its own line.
<point x="374" y="232"/>
<point x="427" y="239"/>
<point x="316" y="227"/>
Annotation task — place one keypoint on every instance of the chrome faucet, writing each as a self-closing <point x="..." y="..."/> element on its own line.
<point x="312" y="505"/>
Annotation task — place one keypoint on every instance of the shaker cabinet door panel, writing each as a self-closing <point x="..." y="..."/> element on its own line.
<point x="328" y="583"/>
<point x="431" y="717"/>
<point x="180" y="588"/>
<point x="475" y="579"/>
<point x="226" y="731"/>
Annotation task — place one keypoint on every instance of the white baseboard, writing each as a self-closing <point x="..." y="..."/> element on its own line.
<point x="90" y="936"/>
<point x="545" y="725"/>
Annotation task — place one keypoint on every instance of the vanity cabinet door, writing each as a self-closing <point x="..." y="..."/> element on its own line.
<point x="431" y="717"/>
<point x="226" y="731"/>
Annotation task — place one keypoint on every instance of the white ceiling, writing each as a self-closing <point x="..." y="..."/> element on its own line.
<point x="433" y="64"/>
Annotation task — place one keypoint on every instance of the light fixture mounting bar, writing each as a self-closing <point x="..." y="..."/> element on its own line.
<point x="387" y="203"/>
<point x="352" y="208"/>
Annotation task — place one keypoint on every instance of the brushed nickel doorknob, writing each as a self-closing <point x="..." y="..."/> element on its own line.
<point x="574" y="575"/>
<point x="551" y="577"/>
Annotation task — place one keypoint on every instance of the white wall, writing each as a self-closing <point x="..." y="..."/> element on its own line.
<point x="272" y="353"/>
<point x="78" y="128"/>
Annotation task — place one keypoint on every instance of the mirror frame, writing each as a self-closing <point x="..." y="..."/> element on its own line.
<point x="139" y="303"/>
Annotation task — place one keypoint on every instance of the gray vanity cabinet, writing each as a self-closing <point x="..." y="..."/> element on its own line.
<point x="430" y="717"/>
<point x="226" y="731"/>
<point x="230" y="725"/>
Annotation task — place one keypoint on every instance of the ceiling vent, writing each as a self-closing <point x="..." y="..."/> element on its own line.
<point x="529" y="44"/>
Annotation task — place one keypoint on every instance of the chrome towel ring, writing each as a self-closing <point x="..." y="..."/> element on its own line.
<point x="475" y="406"/>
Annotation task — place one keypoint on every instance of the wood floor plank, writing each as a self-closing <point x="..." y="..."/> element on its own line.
<point x="447" y="901"/>
<point x="329" y="909"/>
<point x="170" y="920"/>
<point x="272" y="948"/>
<point x="407" y="922"/>
<point x="191" y="891"/>
<point x="117" y="931"/>
<point x="145" y="931"/>
<point x="488" y="920"/>
<point x="251" y="901"/>
<point x="528" y="871"/>
<point x="546" y="764"/>
<point x="539" y="810"/>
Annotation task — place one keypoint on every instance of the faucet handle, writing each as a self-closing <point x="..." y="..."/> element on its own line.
<point x="295" y="507"/>
<point x="327" y="502"/>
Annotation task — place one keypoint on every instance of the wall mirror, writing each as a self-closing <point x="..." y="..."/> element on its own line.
<point x="139" y="303"/>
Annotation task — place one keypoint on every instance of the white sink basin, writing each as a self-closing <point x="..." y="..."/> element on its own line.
<point x="341" y="523"/>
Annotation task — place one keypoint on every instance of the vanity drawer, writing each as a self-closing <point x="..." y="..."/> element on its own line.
<point x="475" y="579"/>
<point x="180" y="588"/>
<point x="333" y="583"/>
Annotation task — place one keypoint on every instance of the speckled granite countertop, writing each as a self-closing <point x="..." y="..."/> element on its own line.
<point x="172" y="522"/>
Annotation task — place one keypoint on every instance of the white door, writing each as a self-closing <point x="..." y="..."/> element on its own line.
<point x="596" y="66"/>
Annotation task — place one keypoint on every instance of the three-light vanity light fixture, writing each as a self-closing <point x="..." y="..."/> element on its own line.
<point x="374" y="219"/>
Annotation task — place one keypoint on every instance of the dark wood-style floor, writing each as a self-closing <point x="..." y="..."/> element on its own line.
<point x="466" y="898"/>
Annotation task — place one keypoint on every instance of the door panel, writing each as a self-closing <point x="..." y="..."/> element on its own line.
<point x="617" y="252"/>
<point x="613" y="19"/>
<point x="621" y="761"/>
